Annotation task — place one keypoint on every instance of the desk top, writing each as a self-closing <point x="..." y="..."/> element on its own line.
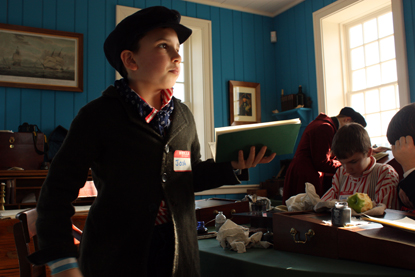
<point x="215" y="261"/>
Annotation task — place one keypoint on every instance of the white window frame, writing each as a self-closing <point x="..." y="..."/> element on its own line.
<point x="199" y="72"/>
<point x="328" y="43"/>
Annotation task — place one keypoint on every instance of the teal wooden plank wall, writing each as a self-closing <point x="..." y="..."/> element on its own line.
<point x="241" y="51"/>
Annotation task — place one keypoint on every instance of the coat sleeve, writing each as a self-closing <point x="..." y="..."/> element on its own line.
<point x="320" y="146"/>
<point x="387" y="187"/>
<point x="333" y="192"/>
<point x="66" y="176"/>
<point x="209" y="174"/>
<point x="408" y="186"/>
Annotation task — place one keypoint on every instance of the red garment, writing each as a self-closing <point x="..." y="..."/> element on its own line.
<point x="312" y="156"/>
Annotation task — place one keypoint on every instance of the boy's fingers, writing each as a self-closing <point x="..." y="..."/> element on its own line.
<point x="251" y="157"/>
<point x="260" y="156"/>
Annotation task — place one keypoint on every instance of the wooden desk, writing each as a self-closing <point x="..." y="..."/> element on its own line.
<point x="215" y="261"/>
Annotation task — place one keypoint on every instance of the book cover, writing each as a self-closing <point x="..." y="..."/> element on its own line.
<point x="279" y="137"/>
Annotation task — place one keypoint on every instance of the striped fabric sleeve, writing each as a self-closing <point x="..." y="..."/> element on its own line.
<point x="63" y="264"/>
<point x="386" y="188"/>
<point x="334" y="190"/>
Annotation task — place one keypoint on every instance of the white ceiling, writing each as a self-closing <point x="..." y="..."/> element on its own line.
<point x="269" y="8"/>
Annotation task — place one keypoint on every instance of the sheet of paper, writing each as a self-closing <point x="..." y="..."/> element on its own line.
<point x="404" y="223"/>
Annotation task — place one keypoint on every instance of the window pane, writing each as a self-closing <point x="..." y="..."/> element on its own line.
<point x="356" y="36"/>
<point x="387" y="98"/>
<point x="389" y="72"/>
<point x="397" y="94"/>
<point x="372" y="53"/>
<point x="178" y="91"/>
<point x="357" y="102"/>
<point x="373" y="76"/>
<point x="370" y="30"/>
<point x="359" y="79"/>
<point x="385" y="25"/>
<point x="181" y="75"/>
<point x="373" y="127"/>
<point x="380" y="141"/>
<point x="372" y="101"/>
<point x="387" y="48"/>
<point x="386" y="118"/>
<point x="358" y="58"/>
<point x="181" y="52"/>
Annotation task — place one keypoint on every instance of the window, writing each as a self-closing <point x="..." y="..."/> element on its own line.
<point x="195" y="84"/>
<point x="361" y="61"/>
<point x="372" y="81"/>
<point x="182" y="86"/>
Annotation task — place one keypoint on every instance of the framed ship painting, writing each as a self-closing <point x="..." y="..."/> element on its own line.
<point x="40" y="58"/>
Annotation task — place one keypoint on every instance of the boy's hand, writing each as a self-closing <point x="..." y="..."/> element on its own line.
<point x="253" y="159"/>
<point x="404" y="152"/>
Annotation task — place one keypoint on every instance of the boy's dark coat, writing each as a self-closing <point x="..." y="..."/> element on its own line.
<point x="129" y="161"/>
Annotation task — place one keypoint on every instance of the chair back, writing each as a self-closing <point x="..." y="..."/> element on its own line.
<point x="25" y="238"/>
<point x="26" y="243"/>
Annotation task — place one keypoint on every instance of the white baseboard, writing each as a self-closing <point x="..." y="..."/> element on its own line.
<point x="228" y="189"/>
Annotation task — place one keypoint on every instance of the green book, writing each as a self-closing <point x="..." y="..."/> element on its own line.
<point x="279" y="137"/>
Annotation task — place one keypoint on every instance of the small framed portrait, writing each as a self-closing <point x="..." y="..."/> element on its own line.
<point x="245" y="102"/>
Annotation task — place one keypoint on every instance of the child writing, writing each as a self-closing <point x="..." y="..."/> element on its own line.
<point x="359" y="171"/>
<point x="130" y="138"/>
<point x="401" y="134"/>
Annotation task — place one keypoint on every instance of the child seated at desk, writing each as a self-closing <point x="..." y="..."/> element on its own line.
<point x="359" y="171"/>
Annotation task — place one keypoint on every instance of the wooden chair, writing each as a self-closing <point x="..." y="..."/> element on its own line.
<point x="26" y="242"/>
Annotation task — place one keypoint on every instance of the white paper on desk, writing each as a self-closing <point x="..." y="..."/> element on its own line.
<point x="403" y="223"/>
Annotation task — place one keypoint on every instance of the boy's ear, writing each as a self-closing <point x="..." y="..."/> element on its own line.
<point x="348" y="119"/>
<point x="128" y="60"/>
<point x="370" y="152"/>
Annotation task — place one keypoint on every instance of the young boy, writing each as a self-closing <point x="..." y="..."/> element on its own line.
<point x="142" y="222"/>
<point x="359" y="171"/>
<point x="401" y="134"/>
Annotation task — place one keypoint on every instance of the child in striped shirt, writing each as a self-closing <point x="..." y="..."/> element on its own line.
<point x="359" y="171"/>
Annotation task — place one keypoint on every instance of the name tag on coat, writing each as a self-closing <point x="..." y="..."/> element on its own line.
<point x="182" y="161"/>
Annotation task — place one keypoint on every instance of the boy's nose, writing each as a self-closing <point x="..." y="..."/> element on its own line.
<point x="176" y="58"/>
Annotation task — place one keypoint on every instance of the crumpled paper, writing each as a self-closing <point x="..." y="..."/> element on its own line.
<point x="303" y="201"/>
<point x="311" y="201"/>
<point x="237" y="238"/>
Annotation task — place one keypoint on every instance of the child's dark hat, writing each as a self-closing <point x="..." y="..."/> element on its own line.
<point x="137" y="25"/>
<point x="356" y="117"/>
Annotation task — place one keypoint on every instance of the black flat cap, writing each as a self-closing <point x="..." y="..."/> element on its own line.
<point x="356" y="117"/>
<point x="136" y="25"/>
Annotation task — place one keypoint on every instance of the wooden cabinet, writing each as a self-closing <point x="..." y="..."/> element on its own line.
<point x="23" y="188"/>
<point x="9" y="264"/>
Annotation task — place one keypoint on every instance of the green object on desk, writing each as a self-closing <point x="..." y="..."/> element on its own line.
<point x="216" y="261"/>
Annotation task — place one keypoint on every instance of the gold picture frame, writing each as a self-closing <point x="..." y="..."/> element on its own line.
<point x="245" y="102"/>
<point x="40" y="58"/>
